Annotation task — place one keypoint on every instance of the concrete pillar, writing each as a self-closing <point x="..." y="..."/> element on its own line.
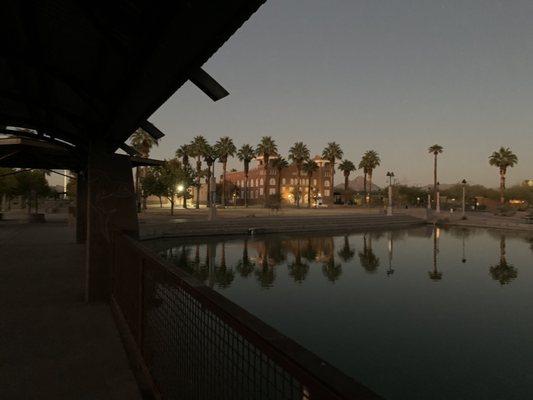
<point x="111" y="206"/>
<point x="81" y="207"/>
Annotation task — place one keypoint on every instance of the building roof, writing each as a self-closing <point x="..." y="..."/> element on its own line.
<point x="76" y="71"/>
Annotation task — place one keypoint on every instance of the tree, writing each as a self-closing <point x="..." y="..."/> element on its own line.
<point x="153" y="185"/>
<point x="364" y="167"/>
<point x="8" y="185"/>
<point x="184" y="152"/>
<point x="346" y="167"/>
<point x="370" y="162"/>
<point x="332" y="153"/>
<point x="298" y="154"/>
<point x="503" y="159"/>
<point x="210" y="156"/>
<point x="245" y="266"/>
<point x="32" y="184"/>
<point x="331" y="269"/>
<point x="197" y="150"/>
<point x="266" y="148"/>
<point x="309" y="167"/>
<point x="142" y="142"/>
<point x="225" y="148"/>
<point x="280" y="164"/>
<point x="436" y="149"/>
<point x="246" y="154"/>
<point x="172" y="174"/>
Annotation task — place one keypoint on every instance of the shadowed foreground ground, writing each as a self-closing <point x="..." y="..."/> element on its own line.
<point x="52" y="344"/>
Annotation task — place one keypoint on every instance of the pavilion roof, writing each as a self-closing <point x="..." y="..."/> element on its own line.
<point x="75" y="71"/>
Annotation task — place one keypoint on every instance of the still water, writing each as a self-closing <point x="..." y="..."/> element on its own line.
<point x="423" y="313"/>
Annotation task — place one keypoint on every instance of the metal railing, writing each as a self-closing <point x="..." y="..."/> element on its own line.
<point x="196" y="344"/>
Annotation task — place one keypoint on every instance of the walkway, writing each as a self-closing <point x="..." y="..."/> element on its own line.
<point x="52" y="344"/>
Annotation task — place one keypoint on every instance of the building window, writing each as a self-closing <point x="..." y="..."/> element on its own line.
<point x="326" y="184"/>
<point x="261" y="191"/>
<point x="314" y="181"/>
<point x="261" y="182"/>
<point x="272" y="191"/>
<point x="284" y="181"/>
<point x="326" y="192"/>
<point x="272" y="181"/>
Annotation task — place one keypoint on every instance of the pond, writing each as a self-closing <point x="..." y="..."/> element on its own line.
<point x="423" y="313"/>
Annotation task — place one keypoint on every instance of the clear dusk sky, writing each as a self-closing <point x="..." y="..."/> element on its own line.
<point x="394" y="76"/>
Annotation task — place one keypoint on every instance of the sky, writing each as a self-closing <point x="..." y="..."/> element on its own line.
<point x="393" y="76"/>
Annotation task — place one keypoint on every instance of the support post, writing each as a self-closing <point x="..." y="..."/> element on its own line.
<point x="111" y="206"/>
<point x="81" y="207"/>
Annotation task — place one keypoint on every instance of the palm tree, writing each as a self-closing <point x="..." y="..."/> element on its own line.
<point x="197" y="150"/>
<point x="143" y="143"/>
<point x="363" y="165"/>
<point x="224" y="276"/>
<point x="309" y="167"/>
<point x="503" y="272"/>
<point x="436" y="149"/>
<point x="435" y="274"/>
<point x="266" y="148"/>
<point x="346" y="167"/>
<point x="372" y="161"/>
<point x="183" y="152"/>
<point x="225" y="148"/>
<point x="503" y="159"/>
<point x="246" y="154"/>
<point x="332" y="152"/>
<point x="298" y="154"/>
<point x="210" y="155"/>
<point x="280" y="164"/>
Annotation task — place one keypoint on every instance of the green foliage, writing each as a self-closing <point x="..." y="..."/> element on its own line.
<point x="8" y="183"/>
<point x="332" y="152"/>
<point x="346" y="166"/>
<point x="142" y="142"/>
<point x="225" y="148"/>
<point x="503" y="159"/>
<point x="298" y="153"/>
<point x="435" y="149"/>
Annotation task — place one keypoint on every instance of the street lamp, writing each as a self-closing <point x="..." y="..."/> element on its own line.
<point x="429" y="198"/>
<point x="464" y="199"/>
<point x="390" y="175"/>
<point x="180" y="188"/>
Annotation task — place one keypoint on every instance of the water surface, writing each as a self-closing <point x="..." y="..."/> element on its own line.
<point x="421" y="313"/>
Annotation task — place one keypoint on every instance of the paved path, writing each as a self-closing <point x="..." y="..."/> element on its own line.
<point x="52" y="344"/>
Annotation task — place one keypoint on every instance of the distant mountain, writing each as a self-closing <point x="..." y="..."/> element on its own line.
<point x="356" y="184"/>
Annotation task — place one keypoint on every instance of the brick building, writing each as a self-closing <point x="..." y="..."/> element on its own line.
<point x="321" y="188"/>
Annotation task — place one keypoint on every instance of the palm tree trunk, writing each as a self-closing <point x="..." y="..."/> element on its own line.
<point x="346" y="189"/>
<point x="298" y="188"/>
<point x="224" y="183"/>
<point x="279" y="186"/>
<point x="370" y="187"/>
<point x="171" y="205"/>
<point x="198" y="171"/>
<point x="364" y="184"/>
<point x="137" y="189"/>
<point x="265" y="183"/>
<point x="309" y="193"/>
<point x="502" y="187"/>
<point x="160" y="202"/>
<point x="208" y="197"/>
<point x="435" y="177"/>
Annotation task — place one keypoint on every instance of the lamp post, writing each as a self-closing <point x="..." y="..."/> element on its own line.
<point x="464" y="199"/>
<point x="390" y="175"/>
<point x="437" y="200"/>
<point x="429" y="198"/>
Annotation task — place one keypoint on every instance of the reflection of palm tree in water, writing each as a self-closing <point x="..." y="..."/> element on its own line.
<point x="331" y="269"/>
<point x="390" y="270"/>
<point x="245" y="266"/>
<point x="265" y="274"/>
<point x="435" y="274"/>
<point x="503" y="272"/>
<point x="199" y="270"/>
<point x="367" y="258"/>
<point x="309" y="252"/>
<point x="223" y="276"/>
<point x="297" y="269"/>
<point x="346" y="253"/>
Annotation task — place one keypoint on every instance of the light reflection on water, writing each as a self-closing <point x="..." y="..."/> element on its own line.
<point x="418" y="313"/>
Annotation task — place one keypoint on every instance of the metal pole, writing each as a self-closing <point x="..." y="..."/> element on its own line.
<point x="389" y="208"/>
<point x="464" y="199"/>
